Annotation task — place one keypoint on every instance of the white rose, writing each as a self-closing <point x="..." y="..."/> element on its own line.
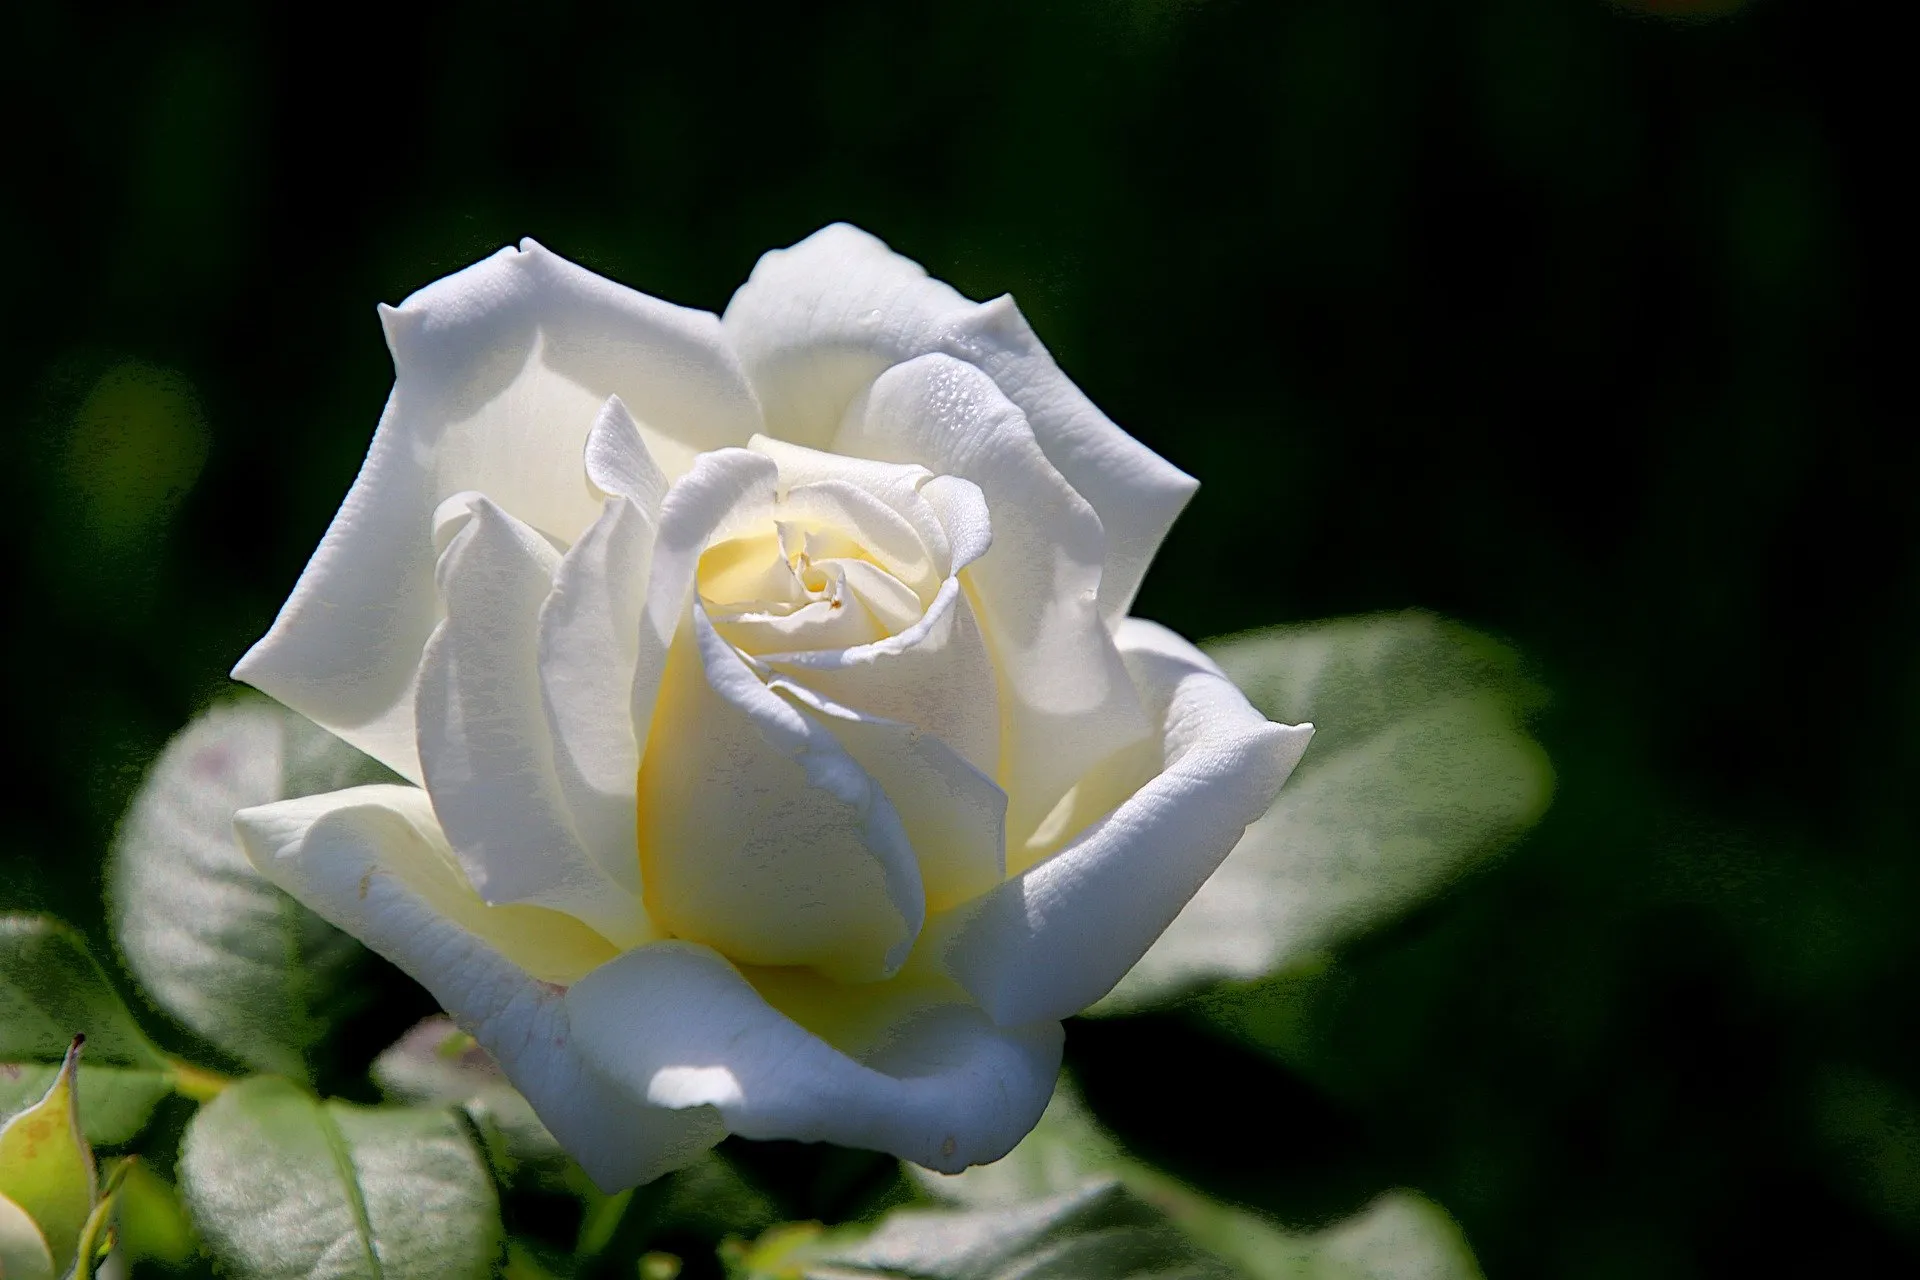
<point x="786" y="763"/>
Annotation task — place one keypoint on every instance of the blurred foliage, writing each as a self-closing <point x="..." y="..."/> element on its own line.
<point x="1420" y="766"/>
<point x="1397" y="1237"/>
<point x="1567" y="318"/>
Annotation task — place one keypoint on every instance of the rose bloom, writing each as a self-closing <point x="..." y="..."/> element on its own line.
<point x="784" y="760"/>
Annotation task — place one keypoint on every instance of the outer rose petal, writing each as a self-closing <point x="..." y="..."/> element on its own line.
<point x="817" y="323"/>
<point x="679" y="1026"/>
<point x="500" y="370"/>
<point x="373" y="861"/>
<point x="1050" y="942"/>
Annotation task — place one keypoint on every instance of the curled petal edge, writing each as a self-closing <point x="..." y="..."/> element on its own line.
<point x="1051" y="941"/>
<point x="817" y="322"/>
<point x="640" y="1061"/>
<point x="679" y="1025"/>
<point x="372" y="861"/>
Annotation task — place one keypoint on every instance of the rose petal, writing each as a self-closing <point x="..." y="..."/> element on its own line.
<point x="619" y="462"/>
<point x="372" y="861"/>
<point x="962" y="512"/>
<point x="954" y="814"/>
<point x="883" y="532"/>
<point x="727" y="493"/>
<point x="816" y="323"/>
<point x="760" y="835"/>
<point x="898" y="485"/>
<point x="936" y="676"/>
<point x="681" y="1027"/>
<point x="1066" y="699"/>
<point x="589" y="651"/>
<point x="1050" y="942"/>
<point x="485" y="745"/>
<point x="500" y="371"/>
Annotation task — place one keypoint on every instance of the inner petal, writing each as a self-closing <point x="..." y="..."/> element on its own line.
<point x="760" y="836"/>
<point x="889" y="600"/>
<point x="800" y="587"/>
<point x="750" y="571"/>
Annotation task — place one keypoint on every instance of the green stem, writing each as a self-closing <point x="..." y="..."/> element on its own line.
<point x="93" y="1234"/>
<point x="194" y="1082"/>
<point x="601" y="1220"/>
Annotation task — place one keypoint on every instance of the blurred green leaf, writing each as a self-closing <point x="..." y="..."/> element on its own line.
<point x="709" y="1199"/>
<point x="50" y="991"/>
<point x="281" y="1184"/>
<point x="150" y="1223"/>
<point x="46" y="1167"/>
<point x="1400" y="1236"/>
<point x="1097" y="1230"/>
<point x="213" y="942"/>
<point x="1871" y="1129"/>
<point x="527" y="1260"/>
<point x="136" y="447"/>
<point x="1420" y="766"/>
<point x="438" y="1064"/>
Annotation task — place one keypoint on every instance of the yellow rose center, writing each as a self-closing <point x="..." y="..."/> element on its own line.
<point x="802" y="586"/>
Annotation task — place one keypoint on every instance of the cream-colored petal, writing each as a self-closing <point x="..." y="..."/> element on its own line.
<point x="883" y="533"/>
<point x="485" y="743"/>
<point x="374" y="862"/>
<point x="1066" y="700"/>
<point x="500" y="372"/>
<point x="935" y="675"/>
<point x="900" y="486"/>
<point x="726" y="494"/>
<point x="817" y="323"/>
<point x="1050" y="942"/>
<point x="760" y="835"/>
<point x="962" y="511"/>
<point x="619" y="462"/>
<point x="588" y="653"/>
<point x="680" y="1026"/>
<point x="955" y="815"/>
<point x="828" y="624"/>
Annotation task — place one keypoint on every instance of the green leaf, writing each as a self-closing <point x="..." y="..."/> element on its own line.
<point x="709" y="1197"/>
<point x="1400" y="1236"/>
<point x="1097" y="1230"/>
<point x="150" y="1223"/>
<point x="1420" y="766"/>
<point x="46" y="1167"/>
<point x="281" y="1184"/>
<point x="437" y="1064"/>
<point x="215" y="944"/>
<point x="23" y="1250"/>
<point x="50" y="991"/>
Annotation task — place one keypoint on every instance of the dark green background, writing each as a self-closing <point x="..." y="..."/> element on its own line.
<point x="1576" y="323"/>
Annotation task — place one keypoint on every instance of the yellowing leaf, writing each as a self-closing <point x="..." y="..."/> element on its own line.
<point x="46" y="1167"/>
